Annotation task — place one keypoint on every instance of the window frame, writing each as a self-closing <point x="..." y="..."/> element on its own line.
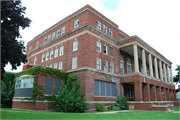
<point x="111" y="65"/>
<point x="49" y="37"/>
<point x="56" y="53"/>
<point x="50" y="65"/>
<point x="35" y="60"/>
<point x="74" y="63"/>
<point x="61" y="65"/>
<point x="105" y="63"/>
<point x="111" y="48"/>
<point x="122" y="68"/>
<point x="104" y="26"/>
<point x="55" y="65"/>
<point x="53" y="35"/>
<point x="47" y="57"/>
<point x="75" y="45"/>
<point x="37" y="44"/>
<point x="43" y="57"/>
<point x="98" y="60"/>
<point x="51" y="54"/>
<point x="111" y="35"/>
<point x="98" y="46"/>
<point x="61" y="50"/>
<point x="30" y="49"/>
<point x="97" y="24"/>
<point x="129" y="66"/>
<point x="45" y="39"/>
<point x="76" y="25"/>
<point x="63" y="30"/>
<point x="106" y="49"/>
<point x="58" y="33"/>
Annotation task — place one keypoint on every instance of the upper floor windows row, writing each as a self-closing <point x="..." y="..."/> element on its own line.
<point x="105" y="63"/>
<point x="104" y="28"/>
<point x="105" y="49"/>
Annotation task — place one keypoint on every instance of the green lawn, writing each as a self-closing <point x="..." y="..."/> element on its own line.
<point x="176" y="108"/>
<point x="19" y="114"/>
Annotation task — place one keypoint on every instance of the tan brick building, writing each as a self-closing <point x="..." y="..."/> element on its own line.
<point x="110" y="63"/>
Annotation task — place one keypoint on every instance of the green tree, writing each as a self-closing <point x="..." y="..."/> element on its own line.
<point x="8" y="76"/>
<point x="69" y="98"/>
<point x="12" y="19"/>
<point x="176" y="77"/>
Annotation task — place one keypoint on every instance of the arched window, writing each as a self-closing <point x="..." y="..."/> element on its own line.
<point x="129" y="66"/>
<point x="122" y="65"/>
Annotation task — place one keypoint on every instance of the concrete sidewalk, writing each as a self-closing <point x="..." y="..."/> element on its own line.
<point x="111" y="112"/>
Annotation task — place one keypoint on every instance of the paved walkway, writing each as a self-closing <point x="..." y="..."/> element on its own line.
<point x="110" y="112"/>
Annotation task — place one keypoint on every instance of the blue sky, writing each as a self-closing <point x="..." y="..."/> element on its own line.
<point x="157" y="22"/>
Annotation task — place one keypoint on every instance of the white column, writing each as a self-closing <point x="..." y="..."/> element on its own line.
<point x="150" y="66"/>
<point x="156" y="67"/>
<point x="144" y="61"/>
<point x="136" y="58"/>
<point x="168" y="73"/>
<point x="164" y="68"/>
<point x="160" y="68"/>
<point x="171" y="75"/>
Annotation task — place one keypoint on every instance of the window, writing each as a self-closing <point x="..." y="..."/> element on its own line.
<point x="48" y="86"/>
<point x="131" y="91"/>
<point x="30" y="49"/>
<point x="46" y="66"/>
<point x="147" y="70"/>
<point x="74" y="63"/>
<point x="98" y="63"/>
<point x="53" y="35"/>
<point x="56" y="53"/>
<point x="111" y="51"/>
<point x="43" y="57"/>
<point x="55" y="65"/>
<point x="35" y="60"/>
<point x="50" y="65"/>
<point x="103" y="88"/>
<point x="51" y="54"/>
<point x="76" y="23"/>
<point x="122" y="65"/>
<point x="104" y="28"/>
<point x="24" y="82"/>
<point x="110" y="32"/>
<point x="58" y="33"/>
<point x="98" y="25"/>
<point x="47" y="56"/>
<point x="61" y="65"/>
<point x="75" y="45"/>
<point x="129" y="66"/>
<point x="45" y="39"/>
<point x="49" y="37"/>
<point x="111" y="68"/>
<point x="141" y="68"/>
<point x="61" y="50"/>
<point x="98" y="46"/>
<point x="105" y="66"/>
<point x="105" y="49"/>
<point x="63" y="30"/>
<point x="37" y="44"/>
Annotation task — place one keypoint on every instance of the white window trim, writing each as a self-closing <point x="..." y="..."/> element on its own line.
<point x="61" y="63"/>
<point x="106" y="50"/>
<point x="61" y="50"/>
<point x="57" y="35"/>
<point x="97" y="25"/>
<point x="50" y="65"/>
<point x="56" y="53"/>
<point x="49" y="37"/>
<point x="43" y="57"/>
<point x="97" y="63"/>
<point x="62" y="32"/>
<point x="47" y="58"/>
<point x="53" y="35"/>
<point x="55" y="65"/>
<point x="106" y="66"/>
<point x="75" y="23"/>
<point x="37" y="44"/>
<point x="74" y="65"/>
<point x="45" y="40"/>
<point x="97" y="46"/>
<point x="51" y="54"/>
<point x="35" y="60"/>
<point x="112" y="67"/>
<point x="103" y="28"/>
<point x="74" y="46"/>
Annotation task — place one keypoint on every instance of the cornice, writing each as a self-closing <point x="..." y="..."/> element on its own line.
<point x="144" y="43"/>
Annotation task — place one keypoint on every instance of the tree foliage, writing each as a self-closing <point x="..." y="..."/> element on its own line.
<point x="176" y="77"/>
<point x="69" y="98"/>
<point x="12" y="19"/>
<point x="8" y="77"/>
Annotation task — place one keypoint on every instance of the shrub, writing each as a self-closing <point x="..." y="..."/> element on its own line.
<point x="7" y="93"/>
<point x="121" y="104"/>
<point x="100" y="107"/>
<point x="69" y="98"/>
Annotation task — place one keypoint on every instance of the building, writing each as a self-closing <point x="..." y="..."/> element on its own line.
<point x="110" y="63"/>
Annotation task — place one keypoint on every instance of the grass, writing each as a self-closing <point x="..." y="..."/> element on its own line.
<point x="176" y="108"/>
<point x="7" y="113"/>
